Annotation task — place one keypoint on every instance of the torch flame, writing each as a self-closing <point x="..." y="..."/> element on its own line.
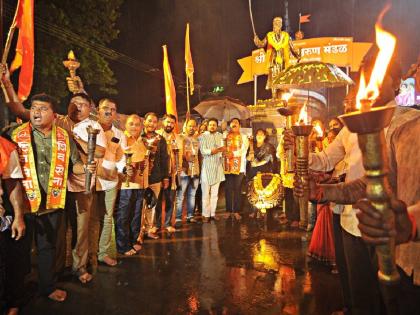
<point x="286" y="96"/>
<point x="303" y="116"/>
<point x="71" y="55"/>
<point x="318" y="130"/>
<point x="386" y="43"/>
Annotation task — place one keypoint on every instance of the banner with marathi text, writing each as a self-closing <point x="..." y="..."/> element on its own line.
<point x="340" y="51"/>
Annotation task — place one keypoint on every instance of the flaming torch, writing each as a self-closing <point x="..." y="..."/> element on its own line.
<point x="369" y="123"/>
<point x="289" y="111"/>
<point x="319" y="135"/>
<point x="91" y="147"/>
<point x="302" y="130"/>
<point x="72" y="65"/>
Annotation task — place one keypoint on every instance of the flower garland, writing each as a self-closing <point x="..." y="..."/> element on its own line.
<point x="267" y="197"/>
<point x="270" y="188"/>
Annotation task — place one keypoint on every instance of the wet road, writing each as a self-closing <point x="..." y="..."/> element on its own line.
<point x="214" y="268"/>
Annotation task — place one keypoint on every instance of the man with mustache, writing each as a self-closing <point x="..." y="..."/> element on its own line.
<point x="189" y="174"/>
<point x="78" y="203"/>
<point x="211" y="148"/>
<point x="158" y="168"/>
<point x="47" y="153"/>
<point x="106" y="186"/>
<point x="135" y="181"/>
<point x="235" y="166"/>
<point x="168" y="193"/>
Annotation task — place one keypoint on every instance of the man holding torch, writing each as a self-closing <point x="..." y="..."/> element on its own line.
<point x="106" y="186"/>
<point x="190" y="174"/>
<point x="364" y="287"/>
<point x="135" y="181"/>
<point x="75" y="123"/>
<point x="47" y="153"/>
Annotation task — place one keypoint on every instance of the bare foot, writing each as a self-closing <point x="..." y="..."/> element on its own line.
<point x="58" y="295"/>
<point x="12" y="311"/>
<point x="109" y="261"/>
<point x="85" y="278"/>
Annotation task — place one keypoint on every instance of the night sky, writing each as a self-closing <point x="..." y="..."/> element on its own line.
<point x="220" y="33"/>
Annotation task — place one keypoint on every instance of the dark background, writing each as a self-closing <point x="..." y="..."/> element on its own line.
<point x="221" y="33"/>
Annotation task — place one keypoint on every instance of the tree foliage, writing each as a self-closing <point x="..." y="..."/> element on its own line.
<point x="92" y="20"/>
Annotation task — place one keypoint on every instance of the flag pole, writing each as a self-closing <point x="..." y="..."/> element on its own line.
<point x="188" y="92"/>
<point x="300" y="14"/>
<point x="4" y="56"/>
<point x="10" y="37"/>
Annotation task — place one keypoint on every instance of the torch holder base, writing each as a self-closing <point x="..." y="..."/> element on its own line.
<point x="370" y="121"/>
<point x="302" y="133"/>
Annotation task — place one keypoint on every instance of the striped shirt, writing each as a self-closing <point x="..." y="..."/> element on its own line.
<point x="212" y="167"/>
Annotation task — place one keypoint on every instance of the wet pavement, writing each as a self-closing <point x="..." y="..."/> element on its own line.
<point x="220" y="267"/>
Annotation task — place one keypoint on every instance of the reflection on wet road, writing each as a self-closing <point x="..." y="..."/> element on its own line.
<point x="215" y="268"/>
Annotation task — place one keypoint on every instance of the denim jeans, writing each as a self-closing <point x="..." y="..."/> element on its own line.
<point x="169" y="196"/>
<point x="130" y="205"/>
<point x="233" y="192"/>
<point x="190" y="185"/>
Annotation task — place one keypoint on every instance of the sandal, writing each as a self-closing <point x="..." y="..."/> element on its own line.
<point x="137" y="247"/>
<point x="130" y="252"/>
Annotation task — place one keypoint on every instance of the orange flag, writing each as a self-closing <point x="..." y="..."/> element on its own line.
<point x="304" y="18"/>
<point x="25" y="47"/>
<point x="189" y="67"/>
<point x="170" y="92"/>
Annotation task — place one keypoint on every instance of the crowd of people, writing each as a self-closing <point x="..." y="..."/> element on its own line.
<point x="69" y="204"/>
<point x="138" y="177"/>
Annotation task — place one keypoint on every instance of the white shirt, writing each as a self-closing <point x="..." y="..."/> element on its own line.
<point x="242" y="152"/>
<point x="344" y="147"/>
<point x="112" y="165"/>
<point x="76" y="183"/>
<point x="80" y="131"/>
<point x="212" y="167"/>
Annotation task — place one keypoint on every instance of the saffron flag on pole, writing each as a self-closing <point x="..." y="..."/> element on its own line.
<point x="25" y="47"/>
<point x="170" y="92"/>
<point x="304" y="18"/>
<point x="189" y="67"/>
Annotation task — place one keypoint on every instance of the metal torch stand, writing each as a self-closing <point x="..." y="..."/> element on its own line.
<point x="302" y="154"/>
<point x="369" y="127"/>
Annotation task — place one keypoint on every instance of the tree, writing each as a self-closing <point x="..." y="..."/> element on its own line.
<point x="56" y="23"/>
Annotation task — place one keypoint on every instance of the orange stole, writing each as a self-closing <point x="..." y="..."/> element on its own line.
<point x="57" y="183"/>
<point x="233" y="164"/>
<point x="6" y="148"/>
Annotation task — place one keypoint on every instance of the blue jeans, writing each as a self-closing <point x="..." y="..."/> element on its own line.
<point x="190" y="185"/>
<point x="130" y="205"/>
<point x="169" y="196"/>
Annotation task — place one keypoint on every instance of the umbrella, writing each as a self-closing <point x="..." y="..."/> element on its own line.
<point x="222" y="108"/>
<point x="312" y="75"/>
